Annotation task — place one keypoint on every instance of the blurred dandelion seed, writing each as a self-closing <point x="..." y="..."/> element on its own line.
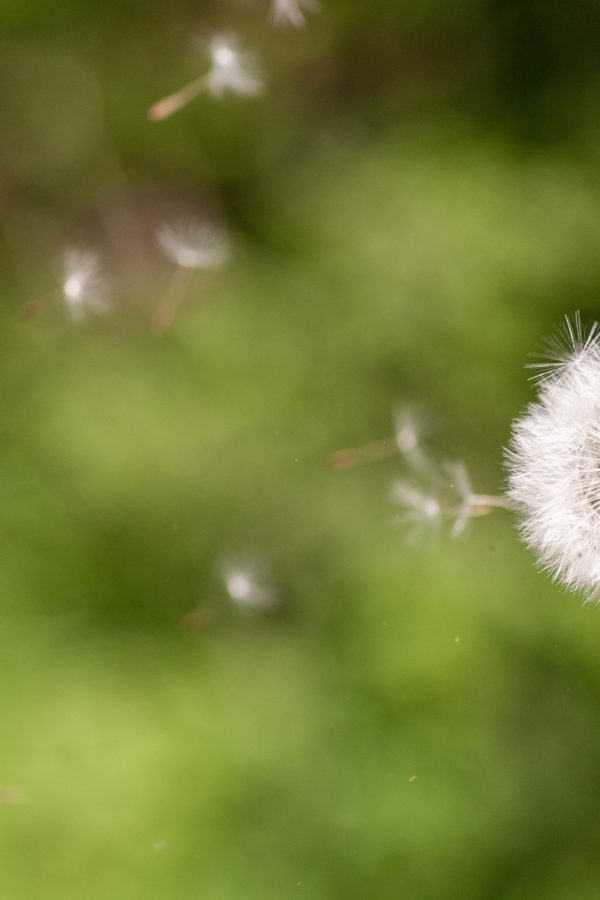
<point x="432" y="494"/>
<point x="291" y="13"/>
<point x="406" y="441"/>
<point x="421" y="512"/>
<point x="470" y="505"/>
<point x="348" y="457"/>
<point x="192" y="244"/>
<point x="232" y="70"/>
<point x="553" y="460"/>
<point x="249" y="586"/>
<point x="563" y="349"/>
<point x="408" y="435"/>
<point x="189" y="245"/>
<point x="83" y="289"/>
<point x="449" y="497"/>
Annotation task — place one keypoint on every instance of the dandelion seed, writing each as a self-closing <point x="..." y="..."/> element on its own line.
<point x="408" y="436"/>
<point x="291" y="13"/>
<point x="450" y="498"/>
<point x="421" y="510"/>
<point x="564" y="349"/>
<point x="84" y="289"/>
<point x="249" y="586"/>
<point x="232" y="70"/>
<point x="189" y="245"/>
<point x="406" y="441"/>
<point x="470" y="505"/>
<point x="348" y="457"/>
<point x="553" y="461"/>
<point x="192" y="244"/>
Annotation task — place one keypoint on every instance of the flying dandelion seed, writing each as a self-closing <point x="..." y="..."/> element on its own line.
<point x="232" y="70"/>
<point x="83" y="289"/>
<point x="291" y="13"/>
<point x="421" y="511"/>
<point x="249" y="585"/>
<point x="192" y="244"/>
<point x="408" y="435"/>
<point x="470" y="504"/>
<point x="189" y="245"/>
<point x="448" y="497"/>
<point x="553" y="461"/>
<point x="406" y="441"/>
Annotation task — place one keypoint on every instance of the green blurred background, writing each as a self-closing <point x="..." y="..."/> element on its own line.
<point x="414" y="204"/>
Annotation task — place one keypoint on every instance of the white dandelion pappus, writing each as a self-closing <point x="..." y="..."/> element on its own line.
<point x="406" y="441"/>
<point x="194" y="245"/>
<point x="448" y="497"/>
<point x="231" y="70"/>
<point x="553" y="460"/>
<point x="83" y="289"/>
<point x="470" y="504"/>
<point x="421" y="509"/>
<point x="461" y="483"/>
<point x="249" y="585"/>
<point x="408" y="436"/>
<point x="291" y="13"/>
<point x="189" y="244"/>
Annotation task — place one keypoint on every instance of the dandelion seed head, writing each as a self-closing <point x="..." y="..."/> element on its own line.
<point x="194" y="245"/>
<point x="553" y="461"/>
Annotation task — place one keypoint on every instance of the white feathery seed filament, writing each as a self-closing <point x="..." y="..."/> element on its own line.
<point x="408" y="436"/>
<point x="554" y="461"/>
<point x="193" y="245"/>
<point x="189" y="244"/>
<point x="448" y="497"/>
<point x="249" y="585"/>
<point x="421" y="511"/>
<point x="83" y="288"/>
<point x="291" y="13"/>
<point x="231" y="70"/>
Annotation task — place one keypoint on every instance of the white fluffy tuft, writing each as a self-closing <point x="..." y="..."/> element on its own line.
<point x="554" y="462"/>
